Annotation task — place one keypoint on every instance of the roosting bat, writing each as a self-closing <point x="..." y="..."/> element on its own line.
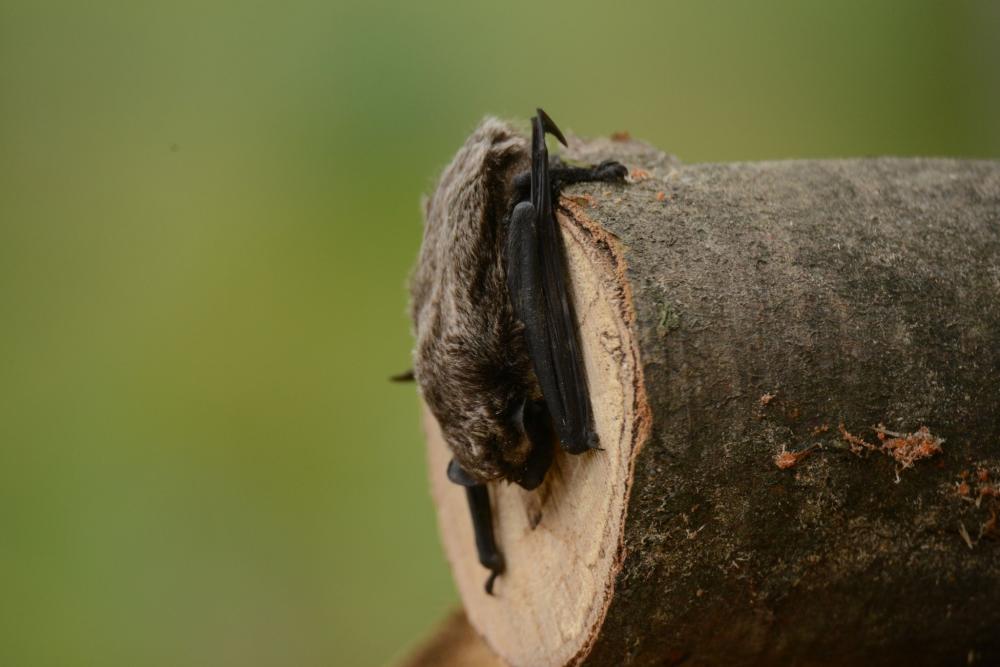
<point x="497" y="355"/>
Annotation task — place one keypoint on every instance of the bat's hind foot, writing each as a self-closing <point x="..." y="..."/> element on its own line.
<point x="561" y="176"/>
<point x="610" y="170"/>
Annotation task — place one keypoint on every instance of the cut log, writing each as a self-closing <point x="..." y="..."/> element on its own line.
<point x="764" y="343"/>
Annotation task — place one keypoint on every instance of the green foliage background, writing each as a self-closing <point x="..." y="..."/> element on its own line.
<point x="207" y="216"/>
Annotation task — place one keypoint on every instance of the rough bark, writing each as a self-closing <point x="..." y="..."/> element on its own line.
<point x="731" y="313"/>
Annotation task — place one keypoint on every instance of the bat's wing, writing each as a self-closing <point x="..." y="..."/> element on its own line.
<point x="539" y="290"/>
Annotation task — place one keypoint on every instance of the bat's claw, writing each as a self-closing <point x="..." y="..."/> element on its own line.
<point x="489" y="583"/>
<point x="549" y="126"/>
<point x="496" y="567"/>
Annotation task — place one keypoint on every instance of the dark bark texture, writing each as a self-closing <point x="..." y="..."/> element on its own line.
<point x="789" y="305"/>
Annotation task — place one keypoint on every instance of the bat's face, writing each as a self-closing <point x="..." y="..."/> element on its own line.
<point x="480" y="415"/>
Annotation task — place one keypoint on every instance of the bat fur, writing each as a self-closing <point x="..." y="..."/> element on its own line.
<point x="470" y="360"/>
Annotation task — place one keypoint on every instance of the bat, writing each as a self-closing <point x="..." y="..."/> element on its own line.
<point x="497" y="356"/>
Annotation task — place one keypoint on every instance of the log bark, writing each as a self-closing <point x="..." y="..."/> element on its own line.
<point x="734" y="316"/>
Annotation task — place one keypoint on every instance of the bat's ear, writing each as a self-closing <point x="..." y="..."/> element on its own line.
<point x="405" y="376"/>
<point x="549" y="126"/>
<point x="458" y="476"/>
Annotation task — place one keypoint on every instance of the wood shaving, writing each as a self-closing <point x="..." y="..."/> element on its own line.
<point x="583" y="199"/>
<point x="989" y="529"/>
<point x="858" y="445"/>
<point x="908" y="448"/>
<point x="965" y="534"/>
<point x="905" y="448"/>
<point x="786" y="459"/>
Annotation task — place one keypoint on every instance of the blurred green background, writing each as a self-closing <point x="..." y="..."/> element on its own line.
<point x="207" y="216"/>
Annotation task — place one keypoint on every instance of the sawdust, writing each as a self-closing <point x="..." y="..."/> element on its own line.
<point x="975" y="487"/>
<point x="908" y="448"/>
<point x="583" y="199"/>
<point x="904" y="448"/>
<point x="786" y="459"/>
<point x="858" y="444"/>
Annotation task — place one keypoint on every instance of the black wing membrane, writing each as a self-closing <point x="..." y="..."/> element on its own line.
<point x="536" y="279"/>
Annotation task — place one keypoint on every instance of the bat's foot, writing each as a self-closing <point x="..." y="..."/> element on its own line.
<point x="593" y="442"/>
<point x="561" y="176"/>
<point x="589" y="444"/>
<point x="537" y="424"/>
<point x="610" y="170"/>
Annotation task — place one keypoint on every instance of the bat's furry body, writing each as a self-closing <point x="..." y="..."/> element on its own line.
<point x="497" y="356"/>
<point x="470" y="360"/>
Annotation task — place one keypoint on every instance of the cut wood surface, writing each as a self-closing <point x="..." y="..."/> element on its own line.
<point x="795" y="369"/>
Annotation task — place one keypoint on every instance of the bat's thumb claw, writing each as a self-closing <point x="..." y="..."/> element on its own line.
<point x="489" y="582"/>
<point x="549" y="126"/>
<point x="495" y="571"/>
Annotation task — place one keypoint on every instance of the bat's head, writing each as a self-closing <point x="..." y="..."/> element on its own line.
<point x="470" y="359"/>
<point x="478" y="400"/>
